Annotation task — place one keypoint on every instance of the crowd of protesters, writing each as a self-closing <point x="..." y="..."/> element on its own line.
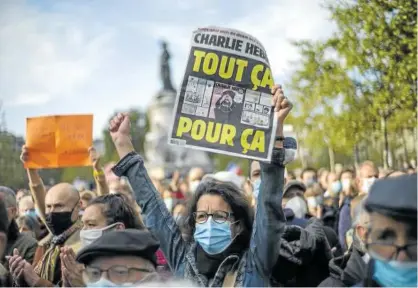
<point x="339" y="228"/>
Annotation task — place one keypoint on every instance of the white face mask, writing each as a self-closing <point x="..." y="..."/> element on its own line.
<point x="367" y="183"/>
<point x="89" y="236"/>
<point x="169" y="203"/>
<point x="193" y="185"/>
<point x="346" y="184"/>
<point x="312" y="203"/>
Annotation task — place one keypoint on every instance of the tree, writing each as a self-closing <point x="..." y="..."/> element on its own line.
<point x="318" y="88"/>
<point x="377" y="38"/>
<point x="12" y="173"/>
<point x="357" y="89"/>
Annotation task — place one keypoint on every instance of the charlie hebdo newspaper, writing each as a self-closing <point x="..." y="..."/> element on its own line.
<point x="225" y="102"/>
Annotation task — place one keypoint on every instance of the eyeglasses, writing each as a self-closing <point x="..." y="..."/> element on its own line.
<point x="116" y="274"/>
<point x="390" y="251"/>
<point x="218" y="216"/>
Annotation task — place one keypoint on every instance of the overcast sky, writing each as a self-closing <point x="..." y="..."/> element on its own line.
<point x="82" y="56"/>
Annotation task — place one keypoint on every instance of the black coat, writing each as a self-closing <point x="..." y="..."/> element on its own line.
<point x="304" y="257"/>
<point x="347" y="270"/>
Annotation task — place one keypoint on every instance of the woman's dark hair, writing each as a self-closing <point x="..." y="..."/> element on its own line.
<point x="31" y="223"/>
<point x="117" y="208"/>
<point x="236" y="200"/>
<point x="309" y="169"/>
<point x="345" y="171"/>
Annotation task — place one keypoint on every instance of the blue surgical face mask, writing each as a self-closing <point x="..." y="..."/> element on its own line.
<point x="336" y="187"/>
<point x="213" y="237"/>
<point x="32" y="213"/>
<point x="395" y="273"/>
<point x="256" y="187"/>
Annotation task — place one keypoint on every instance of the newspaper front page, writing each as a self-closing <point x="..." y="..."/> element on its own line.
<point x="225" y="101"/>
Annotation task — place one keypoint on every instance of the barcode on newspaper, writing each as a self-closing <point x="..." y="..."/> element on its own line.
<point x="178" y="142"/>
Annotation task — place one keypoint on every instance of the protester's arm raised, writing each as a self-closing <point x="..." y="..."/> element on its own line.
<point x="269" y="221"/>
<point x="98" y="173"/>
<point x="158" y="218"/>
<point x="36" y="185"/>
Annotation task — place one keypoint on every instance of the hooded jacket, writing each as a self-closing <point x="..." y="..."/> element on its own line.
<point x="347" y="270"/>
<point x="304" y="256"/>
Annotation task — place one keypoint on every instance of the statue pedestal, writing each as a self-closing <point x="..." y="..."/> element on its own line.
<point x="158" y="153"/>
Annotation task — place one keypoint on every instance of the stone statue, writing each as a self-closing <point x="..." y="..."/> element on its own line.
<point x="165" y="68"/>
<point x="158" y="152"/>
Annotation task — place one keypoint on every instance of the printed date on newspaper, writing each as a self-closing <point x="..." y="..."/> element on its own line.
<point x="225" y="102"/>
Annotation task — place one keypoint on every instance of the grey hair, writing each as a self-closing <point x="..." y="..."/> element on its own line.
<point x="9" y="196"/>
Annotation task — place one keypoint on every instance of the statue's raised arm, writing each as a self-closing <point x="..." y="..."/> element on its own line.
<point x="165" y="68"/>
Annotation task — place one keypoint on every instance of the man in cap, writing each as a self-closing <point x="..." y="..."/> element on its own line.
<point x="120" y="258"/>
<point x="391" y="239"/>
<point x="294" y="205"/>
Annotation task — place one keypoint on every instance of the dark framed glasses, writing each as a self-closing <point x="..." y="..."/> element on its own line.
<point x="220" y="217"/>
<point x="116" y="274"/>
<point x="390" y="251"/>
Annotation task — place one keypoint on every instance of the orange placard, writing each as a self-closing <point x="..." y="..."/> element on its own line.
<point x="59" y="141"/>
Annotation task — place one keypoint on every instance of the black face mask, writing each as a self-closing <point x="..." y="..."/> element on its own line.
<point x="58" y="222"/>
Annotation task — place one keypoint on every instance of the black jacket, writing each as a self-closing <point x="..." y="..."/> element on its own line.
<point x="23" y="242"/>
<point x="304" y="257"/>
<point x="347" y="270"/>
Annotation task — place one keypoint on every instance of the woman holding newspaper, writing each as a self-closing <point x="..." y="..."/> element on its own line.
<point x="226" y="247"/>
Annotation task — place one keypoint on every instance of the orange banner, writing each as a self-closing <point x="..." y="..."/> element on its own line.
<point x="59" y="141"/>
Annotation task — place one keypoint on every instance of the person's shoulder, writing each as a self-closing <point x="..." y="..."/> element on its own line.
<point x="331" y="282"/>
<point x="25" y="240"/>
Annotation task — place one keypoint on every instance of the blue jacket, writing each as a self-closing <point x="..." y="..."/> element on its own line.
<point x="255" y="266"/>
<point x="344" y="222"/>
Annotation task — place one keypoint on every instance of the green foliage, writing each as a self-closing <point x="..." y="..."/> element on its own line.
<point x="359" y="86"/>
<point x="12" y="173"/>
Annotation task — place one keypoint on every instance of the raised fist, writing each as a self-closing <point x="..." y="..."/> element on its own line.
<point x="120" y="128"/>
<point x="281" y="104"/>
